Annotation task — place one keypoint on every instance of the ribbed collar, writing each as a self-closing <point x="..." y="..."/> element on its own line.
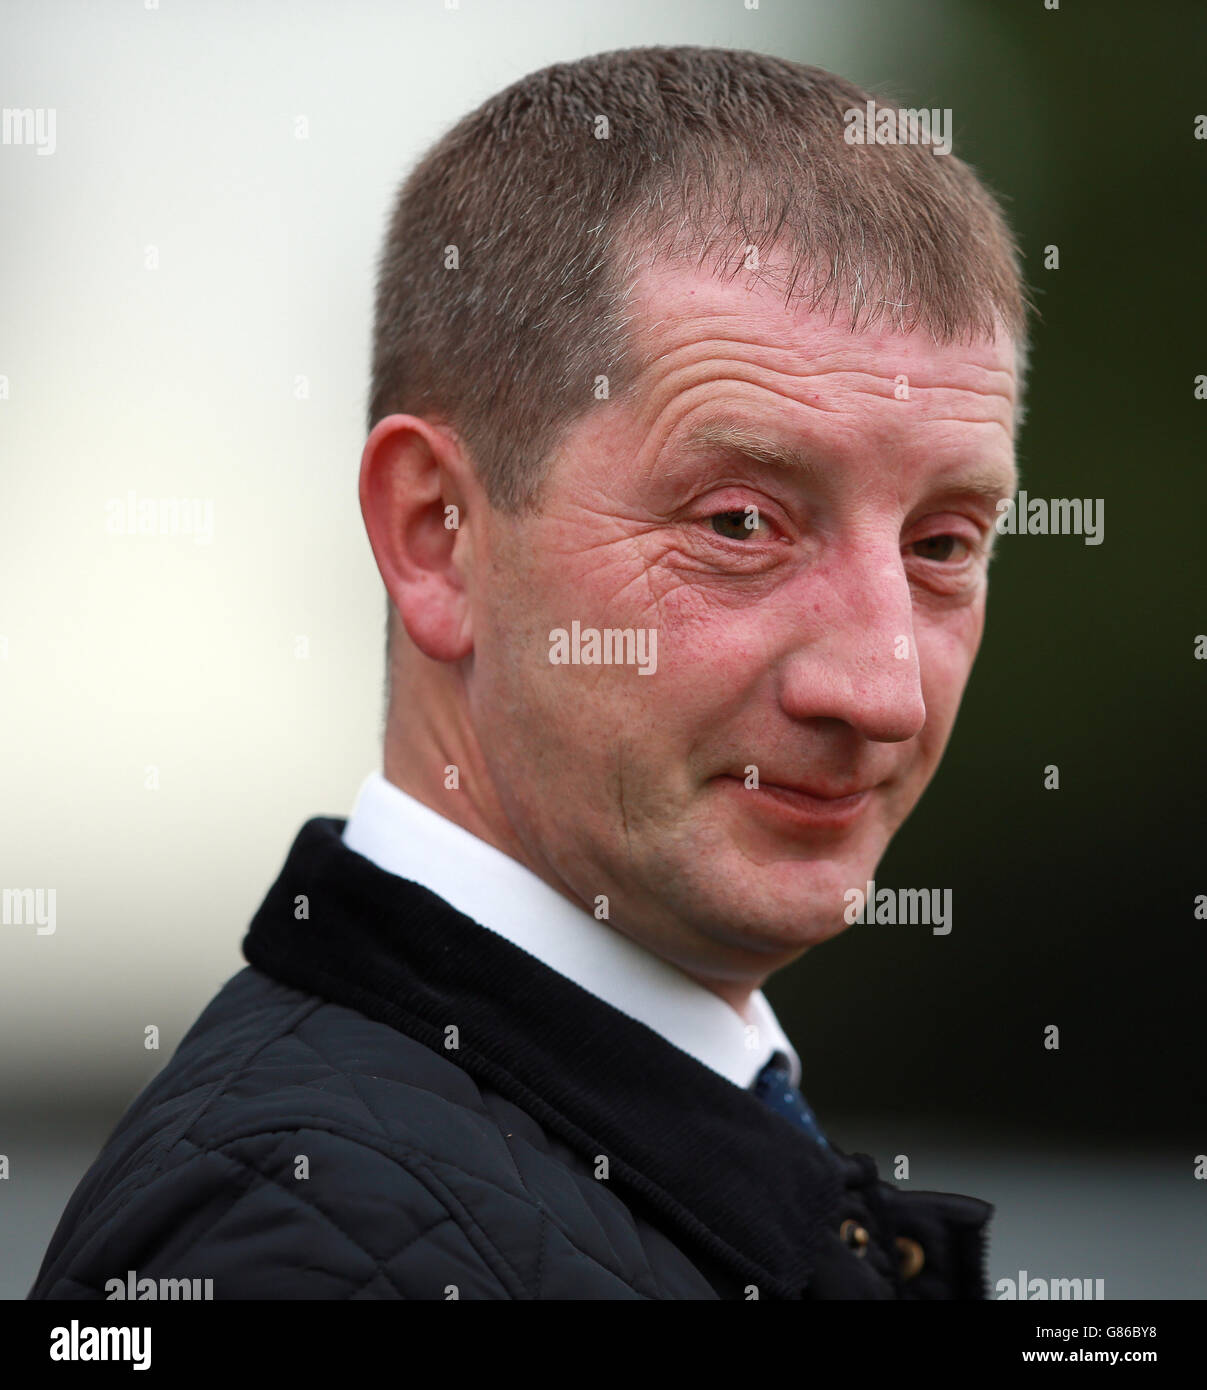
<point x="722" y="1169"/>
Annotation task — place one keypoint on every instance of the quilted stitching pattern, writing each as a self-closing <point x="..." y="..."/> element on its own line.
<point x="418" y="1178"/>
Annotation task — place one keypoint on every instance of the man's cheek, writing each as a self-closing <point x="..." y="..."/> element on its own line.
<point x="600" y="565"/>
<point x="952" y="637"/>
<point x="946" y="652"/>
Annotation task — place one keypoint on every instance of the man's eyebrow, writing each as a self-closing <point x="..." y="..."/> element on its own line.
<point x="736" y="439"/>
<point x="990" y="484"/>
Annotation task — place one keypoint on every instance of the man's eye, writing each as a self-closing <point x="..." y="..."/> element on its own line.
<point x="940" y="548"/>
<point x="742" y="525"/>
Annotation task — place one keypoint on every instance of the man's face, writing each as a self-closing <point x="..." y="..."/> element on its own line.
<point x="826" y="645"/>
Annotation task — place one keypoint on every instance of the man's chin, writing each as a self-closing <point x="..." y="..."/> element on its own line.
<point x="782" y="908"/>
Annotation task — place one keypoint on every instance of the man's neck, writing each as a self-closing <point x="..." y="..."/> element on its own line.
<point x="405" y="771"/>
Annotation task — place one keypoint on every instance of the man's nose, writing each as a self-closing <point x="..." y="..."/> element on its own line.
<point x="855" y="658"/>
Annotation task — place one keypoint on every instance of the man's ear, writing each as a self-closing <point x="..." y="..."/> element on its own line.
<point x="415" y="481"/>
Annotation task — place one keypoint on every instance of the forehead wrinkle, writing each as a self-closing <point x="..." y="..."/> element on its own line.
<point x="680" y="363"/>
<point x="971" y="387"/>
<point x="701" y="334"/>
<point x="662" y="332"/>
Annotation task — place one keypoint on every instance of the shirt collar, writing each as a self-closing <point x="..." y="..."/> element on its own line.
<point x="401" y="835"/>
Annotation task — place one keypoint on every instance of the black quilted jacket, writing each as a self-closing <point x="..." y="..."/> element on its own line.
<point x="393" y="1102"/>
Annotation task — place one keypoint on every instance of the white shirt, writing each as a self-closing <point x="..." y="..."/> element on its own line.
<point x="403" y="836"/>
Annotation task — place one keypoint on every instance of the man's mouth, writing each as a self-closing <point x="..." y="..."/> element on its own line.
<point x="817" y="805"/>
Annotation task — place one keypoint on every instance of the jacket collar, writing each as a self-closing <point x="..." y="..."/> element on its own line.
<point x="718" y="1165"/>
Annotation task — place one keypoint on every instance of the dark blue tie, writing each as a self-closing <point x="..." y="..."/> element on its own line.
<point x="774" y="1087"/>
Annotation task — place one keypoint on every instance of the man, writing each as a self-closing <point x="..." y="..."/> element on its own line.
<point x="688" y="422"/>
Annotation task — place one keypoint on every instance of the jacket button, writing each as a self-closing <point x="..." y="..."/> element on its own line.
<point x="913" y="1257"/>
<point x="853" y="1235"/>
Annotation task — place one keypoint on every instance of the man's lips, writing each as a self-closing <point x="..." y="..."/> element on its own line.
<point x="819" y="791"/>
<point x="818" y="805"/>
